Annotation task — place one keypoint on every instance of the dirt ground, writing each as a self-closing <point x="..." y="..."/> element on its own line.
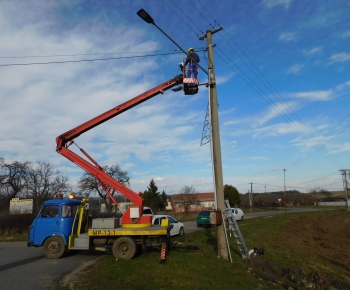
<point x="325" y="236"/>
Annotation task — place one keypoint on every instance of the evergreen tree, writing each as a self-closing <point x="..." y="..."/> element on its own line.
<point x="231" y="193"/>
<point x="163" y="200"/>
<point x="151" y="196"/>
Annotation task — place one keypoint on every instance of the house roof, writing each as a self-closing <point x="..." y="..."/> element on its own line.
<point x="206" y="196"/>
<point x="332" y="198"/>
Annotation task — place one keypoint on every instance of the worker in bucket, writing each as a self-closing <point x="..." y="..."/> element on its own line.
<point x="192" y="59"/>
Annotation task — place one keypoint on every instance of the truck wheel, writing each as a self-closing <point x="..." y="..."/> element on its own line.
<point x="124" y="248"/>
<point x="54" y="248"/>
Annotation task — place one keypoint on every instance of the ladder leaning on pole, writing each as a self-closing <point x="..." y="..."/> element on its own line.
<point x="235" y="230"/>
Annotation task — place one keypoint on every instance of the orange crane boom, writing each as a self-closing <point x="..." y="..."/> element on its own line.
<point x="133" y="216"/>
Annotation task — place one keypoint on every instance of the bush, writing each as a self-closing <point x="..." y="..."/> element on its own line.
<point x="15" y="225"/>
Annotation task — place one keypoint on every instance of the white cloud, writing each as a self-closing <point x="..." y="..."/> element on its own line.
<point x="316" y="95"/>
<point x="346" y="34"/>
<point x="233" y="144"/>
<point x="343" y="86"/>
<point x="287" y="36"/>
<point x="305" y="144"/>
<point x="295" y="68"/>
<point x="338" y="148"/>
<point x="258" y="158"/>
<point x="173" y="184"/>
<point x="159" y="138"/>
<point x="277" y="130"/>
<point x="272" y="3"/>
<point x="232" y="122"/>
<point x="340" y="57"/>
<point x="221" y="79"/>
<point x="313" y="51"/>
<point x="275" y="110"/>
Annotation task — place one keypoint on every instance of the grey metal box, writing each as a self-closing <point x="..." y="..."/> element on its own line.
<point x="105" y="223"/>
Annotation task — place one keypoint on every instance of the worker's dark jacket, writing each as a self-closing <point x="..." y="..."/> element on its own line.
<point x="190" y="56"/>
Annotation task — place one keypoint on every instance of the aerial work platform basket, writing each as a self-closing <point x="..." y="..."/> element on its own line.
<point x="190" y="79"/>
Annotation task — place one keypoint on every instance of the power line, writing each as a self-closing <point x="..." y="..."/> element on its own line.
<point x="205" y="8"/>
<point x="180" y="18"/>
<point x="320" y="147"/>
<point x="201" y="14"/>
<point x="303" y="128"/>
<point x="79" y="54"/>
<point x="323" y="177"/>
<point x="89" y="60"/>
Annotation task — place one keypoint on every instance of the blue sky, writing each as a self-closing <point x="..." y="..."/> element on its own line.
<point x="283" y="86"/>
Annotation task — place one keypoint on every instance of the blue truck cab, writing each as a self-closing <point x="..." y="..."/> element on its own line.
<point x="53" y="226"/>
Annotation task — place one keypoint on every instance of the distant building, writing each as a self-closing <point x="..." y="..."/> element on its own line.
<point x="331" y="201"/>
<point x="195" y="202"/>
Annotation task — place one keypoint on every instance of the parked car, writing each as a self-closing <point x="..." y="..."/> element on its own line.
<point x="178" y="227"/>
<point x="238" y="213"/>
<point x="203" y="218"/>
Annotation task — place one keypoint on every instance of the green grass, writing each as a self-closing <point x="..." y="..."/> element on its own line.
<point x="194" y="264"/>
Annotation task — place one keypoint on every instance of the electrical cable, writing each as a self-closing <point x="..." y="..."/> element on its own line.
<point x="89" y="60"/>
<point x="304" y="129"/>
<point x="82" y="54"/>
<point x="201" y="14"/>
<point x="323" y="177"/>
<point x="188" y="17"/>
<point x="181" y="18"/>
<point x="307" y="156"/>
<point x="205" y="8"/>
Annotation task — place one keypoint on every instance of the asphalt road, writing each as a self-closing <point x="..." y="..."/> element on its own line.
<point x="27" y="268"/>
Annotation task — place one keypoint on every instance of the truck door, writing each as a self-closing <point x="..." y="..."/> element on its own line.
<point x="47" y="223"/>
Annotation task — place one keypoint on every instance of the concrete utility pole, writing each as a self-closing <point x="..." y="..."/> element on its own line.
<point x="251" y="197"/>
<point x="345" y="172"/>
<point x="215" y="144"/>
<point x="214" y="128"/>
<point x="285" y="198"/>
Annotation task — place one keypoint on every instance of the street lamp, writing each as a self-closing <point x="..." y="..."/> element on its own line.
<point x="285" y="200"/>
<point x="148" y="18"/>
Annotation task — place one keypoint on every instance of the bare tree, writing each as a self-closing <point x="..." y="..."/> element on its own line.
<point x="13" y="178"/>
<point x="318" y="191"/>
<point x="44" y="182"/>
<point x="187" y="197"/>
<point x="89" y="185"/>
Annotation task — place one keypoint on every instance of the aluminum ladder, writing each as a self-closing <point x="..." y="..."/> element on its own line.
<point x="235" y="230"/>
